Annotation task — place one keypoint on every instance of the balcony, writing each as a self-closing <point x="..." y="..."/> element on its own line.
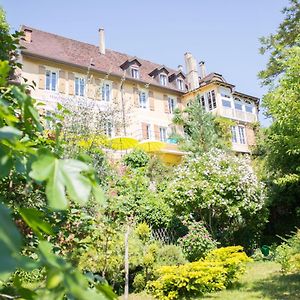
<point x="238" y="115"/>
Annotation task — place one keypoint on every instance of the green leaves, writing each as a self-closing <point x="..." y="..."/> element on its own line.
<point x="61" y="274"/>
<point x="65" y="176"/>
<point x="35" y="220"/>
<point x="10" y="245"/>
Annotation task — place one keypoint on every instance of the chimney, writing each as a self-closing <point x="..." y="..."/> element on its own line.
<point x="180" y="68"/>
<point x="202" y="69"/>
<point x="191" y="71"/>
<point x="101" y="41"/>
<point x="27" y="33"/>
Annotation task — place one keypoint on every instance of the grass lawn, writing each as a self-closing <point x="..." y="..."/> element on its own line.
<point x="262" y="280"/>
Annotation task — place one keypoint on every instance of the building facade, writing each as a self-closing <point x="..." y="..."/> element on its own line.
<point x="146" y="94"/>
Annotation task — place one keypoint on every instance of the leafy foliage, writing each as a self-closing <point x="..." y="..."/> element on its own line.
<point x="288" y="253"/>
<point x="197" y="242"/>
<point x="286" y="37"/>
<point x="22" y="152"/>
<point x="201" y="131"/>
<point x="221" y="190"/>
<point x="136" y="159"/>
<point x="220" y="269"/>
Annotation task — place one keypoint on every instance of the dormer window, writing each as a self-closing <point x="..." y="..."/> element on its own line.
<point x="180" y="84"/>
<point x="135" y="73"/>
<point x="163" y="79"/>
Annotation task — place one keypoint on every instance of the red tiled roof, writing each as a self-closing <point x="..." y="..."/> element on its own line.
<point x="54" y="47"/>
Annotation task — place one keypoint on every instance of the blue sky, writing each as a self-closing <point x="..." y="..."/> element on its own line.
<point x="222" y="33"/>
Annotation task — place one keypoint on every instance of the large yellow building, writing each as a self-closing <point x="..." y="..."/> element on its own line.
<point x="147" y="93"/>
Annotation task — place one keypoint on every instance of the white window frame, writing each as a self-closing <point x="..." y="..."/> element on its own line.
<point x="180" y="84"/>
<point x="227" y="101"/>
<point x="238" y="102"/>
<point x="211" y="100"/>
<point x="135" y="72"/>
<point x="234" y="134"/>
<point x="56" y="72"/>
<point x="81" y="93"/>
<point x="144" y="105"/>
<point x="163" y="134"/>
<point x="163" y="79"/>
<point x="103" y="94"/>
<point x="238" y="134"/>
<point x="108" y="128"/>
<point x="171" y="106"/>
<point x="242" y="134"/>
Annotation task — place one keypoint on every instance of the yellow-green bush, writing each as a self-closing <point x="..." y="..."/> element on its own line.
<point x="220" y="269"/>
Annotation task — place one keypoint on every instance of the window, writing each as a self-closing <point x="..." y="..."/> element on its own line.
<point x="148" y="131"/>
<point x="107" y="128"/>
<point x="211" y="100"/>
<point x="163" y="79"/>
<point x="51" y="80"/>
<point x="242" y="135"/>
<point x="79" y="86"/>
<point x="106" y="92"/>
<point x="249" y="108"/>
<point x="226" y="103"/>
<point x="135" y="73"/>
<point x="238" y="105"/>
<point x="171" y="104"/>
<point x="163" y="134"/>
<point x="225" y="96"/>
<point x="143" y="100"/>
<point x="238" y="134"/>
<point x="202" y="101"/>
<point x="180" y="84"/>
<point x="234" y="134"/>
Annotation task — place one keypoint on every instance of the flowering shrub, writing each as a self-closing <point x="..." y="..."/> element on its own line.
<point x="197" y="242"/>
<point x="222" y="190"/>
<point x="220" y="269"/>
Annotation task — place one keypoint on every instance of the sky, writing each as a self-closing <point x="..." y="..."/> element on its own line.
<point x="223" y="33"/>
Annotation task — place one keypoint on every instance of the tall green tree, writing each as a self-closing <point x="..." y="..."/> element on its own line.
<point x="286" y="37"/>
<point x="201" y="131"/>
<point x="281" y="143"/>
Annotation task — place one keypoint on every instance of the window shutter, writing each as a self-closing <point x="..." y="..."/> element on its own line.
<point x="71" y="83"/>
<point x="136" y="96"/>
<point x="97" y="89"/>
<point x="144" y="131"/>
<point x="166" y="104"/>
<point x="62" y="81"/>
<point x="151" y="100"/>
<point x="42" y="77"/>
<point x="156" y="132"/>
<point x="91" y="88"/>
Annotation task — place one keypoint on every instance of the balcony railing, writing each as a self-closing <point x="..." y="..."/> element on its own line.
<point x="238" y="115"/>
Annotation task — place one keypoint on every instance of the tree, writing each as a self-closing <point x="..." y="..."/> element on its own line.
<point x="286" y="37"/>
<point x="222" y="191"/>
<point x="280" y="147"/>
<point x="201" y="131"/>
<point x="26" y="152"/>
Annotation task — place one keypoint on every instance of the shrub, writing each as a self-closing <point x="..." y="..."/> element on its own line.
<point x="197" y="242"/>
<point x="143" y="232"/>
<point x="136" y="159"/>
<point x="288" y="254"/>
<point x="221" y="190"/>
<point x="139" y="282"/>
<point x="220" y="269"/>
<point x="170" y="255"/>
